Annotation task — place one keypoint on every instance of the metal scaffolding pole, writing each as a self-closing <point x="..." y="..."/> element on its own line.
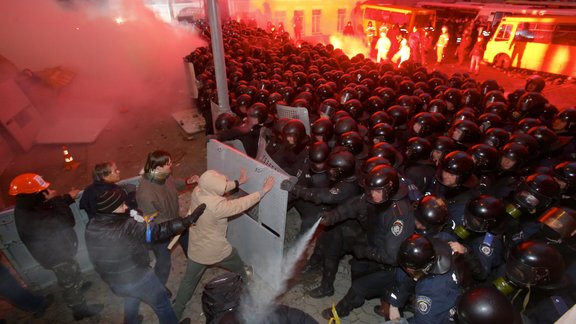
<point x="218" y="54"/>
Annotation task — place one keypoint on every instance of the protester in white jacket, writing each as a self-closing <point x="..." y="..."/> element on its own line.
<point x="208" y="245"/>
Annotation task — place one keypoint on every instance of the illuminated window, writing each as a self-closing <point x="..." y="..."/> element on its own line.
<point x="541" y="33"/>
<point x="503" y="33"/>
<point x="564" y="35"/>
<point x="341" y="19"/>
<point x="316" y="13"/>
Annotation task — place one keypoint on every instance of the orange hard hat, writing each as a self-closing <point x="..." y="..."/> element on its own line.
<point x="27" y="183"/>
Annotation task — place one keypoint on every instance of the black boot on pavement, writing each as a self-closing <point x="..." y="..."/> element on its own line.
<point x="84" y="311"/>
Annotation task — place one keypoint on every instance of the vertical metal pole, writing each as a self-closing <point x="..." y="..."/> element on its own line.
<point x="218" y="54"/>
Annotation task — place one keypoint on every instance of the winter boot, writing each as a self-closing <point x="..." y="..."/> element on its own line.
<point x="84" y="311"/>
<point x="326" y="287"/>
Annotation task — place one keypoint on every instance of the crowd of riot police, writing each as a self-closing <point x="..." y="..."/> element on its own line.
<point x="454" y="197"/>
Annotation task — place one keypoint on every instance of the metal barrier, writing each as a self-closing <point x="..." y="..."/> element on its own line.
<point x="257" y="234"/>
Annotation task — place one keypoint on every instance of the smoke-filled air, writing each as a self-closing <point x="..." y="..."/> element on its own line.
<point x="118" y="52"/>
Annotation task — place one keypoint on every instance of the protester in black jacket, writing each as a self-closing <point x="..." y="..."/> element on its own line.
<point x="117" y="245"/>
<point x="45" y="224"/>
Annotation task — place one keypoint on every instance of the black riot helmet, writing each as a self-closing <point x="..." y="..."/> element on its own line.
<point x="296" y="129"/>
<point x="546" y="137"/>
<point x="483" y="213"/>
<point x="486" y="157"/>
<point x="341" y="165"/>
<point x="494" y="96"/>
<point x="375" y="104"/>
<point x="457" y="163"/>
<point x="387" y="151"/>
<point x="416" y="254"/>
<point x="442" y="145"/>
<point x="432" y="213"/>
<point x="565" y="175"/>
<point x="438" y="105"/>
<point x="225" y="121"/>
<point x="531" y="104"/>
<point x="382" y="132"/>
<point x="354" y="108"/>
<point x="483" y="305"/>
<point x="418" y="149"/>
<point x="534" y="263"/>
<point x="472" y="98"/>
<point x="423" y="124"/>
<point x="345" y="124"/>
<point x="561" y="222"/>
<point x="399" y="115"/>
<point x="496" y="137"/>
<point x="488" y="86"/>
<point x="535" y="83"/>
<point x="453" y="97"/>
<point x="318" y="154"/>
<point x="348" y="93"/>
<point x="529" y="142"/>
<point x="513" y="157"/>
<point x="322" y="128"/>
<point x="536" y="193"/>
<point x="565" y="121"/>
<point x="384" y="178"/>
<point x="369" y="164"/>
<point x="514" y="96"/>
<point x="380" y="117"/>
<point x="526" y="123"/>
<point x="489" y="120"/>
<point x="352" y="141"/>
<point x="465" y="132"/>
<point x="328" y="108"/>
<point x="259" y="111"/>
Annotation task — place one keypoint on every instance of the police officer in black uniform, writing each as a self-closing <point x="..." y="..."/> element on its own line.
<point x="385" y="213"/>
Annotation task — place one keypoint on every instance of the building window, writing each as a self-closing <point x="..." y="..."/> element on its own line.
<point x="341" y="19"/>
<point x="316" y="21"/>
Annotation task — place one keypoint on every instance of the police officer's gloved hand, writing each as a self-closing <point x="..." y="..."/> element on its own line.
<point x="193" y="217"/>
<point x="325" y="219"/>
<point x="287" y="185"/>
<point x="360" y="251"/>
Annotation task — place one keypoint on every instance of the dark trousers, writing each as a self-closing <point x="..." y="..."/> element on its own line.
<point x="70" y="279"/>
<point x="147" y="289"/>
<point x="164" y="258"/>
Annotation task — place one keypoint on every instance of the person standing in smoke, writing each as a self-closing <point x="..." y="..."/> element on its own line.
<point x="117" y="243"/>
<point x="208" y="245"/>
<point x="157" y="193"/>
<point x="45" y="224"/>
<point x="441" y="44"/>
<point x="297" y="28"/>
<point x="383" y="46"/>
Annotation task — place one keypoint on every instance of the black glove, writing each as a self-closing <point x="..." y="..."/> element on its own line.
<point x="287" y="185"/>
<point x="325" y="218"/>
<point x="193" y="217"/>
<point x="360" y="251"/>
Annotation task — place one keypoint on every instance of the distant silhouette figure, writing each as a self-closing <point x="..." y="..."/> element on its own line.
<point x="523" y="35"/>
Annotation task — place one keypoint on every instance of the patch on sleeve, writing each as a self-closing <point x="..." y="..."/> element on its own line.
<point x="397" y="227"/>
<point x="486" y="250"/>
<point x="423" y="304"/>
<point x="334" y="190"/>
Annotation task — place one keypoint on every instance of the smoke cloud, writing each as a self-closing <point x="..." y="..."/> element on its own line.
<point x="121" y="53"/>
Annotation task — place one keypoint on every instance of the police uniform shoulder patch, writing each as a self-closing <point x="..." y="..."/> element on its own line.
<point x="334" y="190"/>
<point x="397" y="227"/>
<point x="423" y="304"/>
<point x="486" y="250"/>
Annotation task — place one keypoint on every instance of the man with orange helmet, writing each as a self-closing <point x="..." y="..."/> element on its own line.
<point x="45" y="224"/>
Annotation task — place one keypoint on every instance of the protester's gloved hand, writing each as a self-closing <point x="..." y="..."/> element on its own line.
<point x="193" y="217"/>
